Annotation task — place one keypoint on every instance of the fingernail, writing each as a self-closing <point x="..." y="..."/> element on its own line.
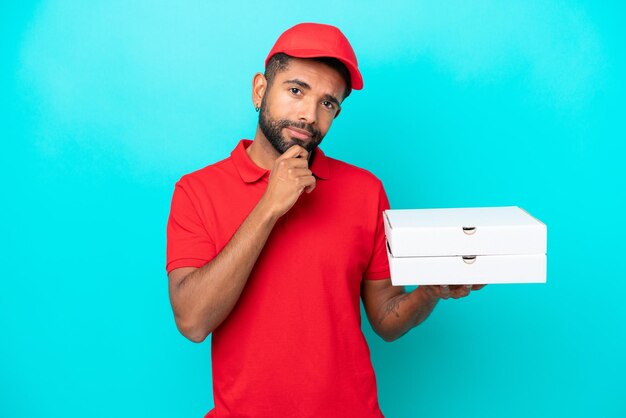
<point x="468" y="286"/>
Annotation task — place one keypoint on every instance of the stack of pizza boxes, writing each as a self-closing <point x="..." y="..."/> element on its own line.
<point x="465" y="246"/>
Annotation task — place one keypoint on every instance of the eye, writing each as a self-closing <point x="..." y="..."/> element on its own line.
<point x="294" y="90"/>
<point x="328" y="105"/>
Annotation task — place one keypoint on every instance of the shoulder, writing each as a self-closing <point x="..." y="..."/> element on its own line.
<point x="207" y="175"/>
<point x="347" y="172"/>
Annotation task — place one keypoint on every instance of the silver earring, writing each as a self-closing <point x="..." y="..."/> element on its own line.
<point x="256" y="108"/>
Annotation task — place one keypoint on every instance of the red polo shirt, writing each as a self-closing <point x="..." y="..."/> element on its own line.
<point x="292" y="346"/>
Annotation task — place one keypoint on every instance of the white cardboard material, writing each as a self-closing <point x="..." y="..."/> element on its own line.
<point x="440" y="232"/>
<point x="485" y="269"/>
<point x="498" y="245"/>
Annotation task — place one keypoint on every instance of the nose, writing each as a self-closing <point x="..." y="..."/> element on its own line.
<point x="307" y="112"/>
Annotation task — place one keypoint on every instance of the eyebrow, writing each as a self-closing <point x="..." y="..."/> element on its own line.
<point x="305" y="85"/>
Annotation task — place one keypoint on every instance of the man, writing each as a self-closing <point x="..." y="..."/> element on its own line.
<point x="270" y="249"/>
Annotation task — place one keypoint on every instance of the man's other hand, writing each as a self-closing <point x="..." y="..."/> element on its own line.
<point x="450" y="291"/>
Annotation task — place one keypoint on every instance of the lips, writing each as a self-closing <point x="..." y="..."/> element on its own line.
<point x="299" y="133"/>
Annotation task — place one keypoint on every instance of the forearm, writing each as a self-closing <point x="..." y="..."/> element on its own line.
<point x="403" y="312"/>
<point x="205" y="297"/>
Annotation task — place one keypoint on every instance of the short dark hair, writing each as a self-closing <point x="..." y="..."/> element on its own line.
<point x="280" y="62"/>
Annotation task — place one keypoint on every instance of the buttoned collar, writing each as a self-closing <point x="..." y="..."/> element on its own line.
<point x="250" y="172"/>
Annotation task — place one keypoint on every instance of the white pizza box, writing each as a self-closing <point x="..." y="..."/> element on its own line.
<point x="464" y="231"/>
<point x="480" y="269"/>
<point x="465" y="246"/>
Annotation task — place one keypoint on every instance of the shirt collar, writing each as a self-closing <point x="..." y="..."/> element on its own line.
<point x="250" y="172"/>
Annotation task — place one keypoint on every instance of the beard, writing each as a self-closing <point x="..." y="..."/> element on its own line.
<point x="272" y="129"/>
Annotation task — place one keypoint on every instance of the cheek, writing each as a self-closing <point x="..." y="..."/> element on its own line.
<point x="280" y="105"/>
<point x="284" y="102"/>
<point x="324" y="126"/>
<point x="325" y="118"/>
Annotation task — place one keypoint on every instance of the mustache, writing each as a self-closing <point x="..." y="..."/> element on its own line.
<point x="315" y="133"/>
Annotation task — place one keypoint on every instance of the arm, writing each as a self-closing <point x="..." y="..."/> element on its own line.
<point x="203" y="297"/>
<point x="392" y="311"/>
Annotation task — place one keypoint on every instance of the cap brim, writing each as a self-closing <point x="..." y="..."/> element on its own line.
<point x="355" y="76"/>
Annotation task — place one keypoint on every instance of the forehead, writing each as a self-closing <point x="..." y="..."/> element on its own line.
<point x="316" y="74"/>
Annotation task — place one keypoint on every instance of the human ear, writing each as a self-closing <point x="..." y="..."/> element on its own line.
<point x="259" y="85"/>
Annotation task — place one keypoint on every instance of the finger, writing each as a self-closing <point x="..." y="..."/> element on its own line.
<point x="295" y="151"/>
<point x="284" y="166"/>
<point x="460" y="291"/>
<point x="444" y="291"/>
<point x="296" y="163"/>
<point x="307" y="183"/>
<point x="478" y="286"/>
<point x="299" y="172"/>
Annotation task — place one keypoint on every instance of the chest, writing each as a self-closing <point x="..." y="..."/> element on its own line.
<point x="324" y="226"/>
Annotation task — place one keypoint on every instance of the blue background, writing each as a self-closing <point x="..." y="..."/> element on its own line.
<point x="105" y="104"/>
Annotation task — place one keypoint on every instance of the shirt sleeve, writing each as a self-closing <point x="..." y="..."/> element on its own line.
<point x="378" y="267"/>
<point x="188" y="241"/>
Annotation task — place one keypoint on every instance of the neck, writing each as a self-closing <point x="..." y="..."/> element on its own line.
<point x="261" y="152"/>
